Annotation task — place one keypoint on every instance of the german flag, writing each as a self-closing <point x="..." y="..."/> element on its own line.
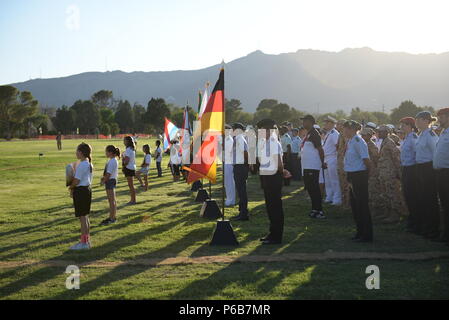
<point x="205" y="161"/>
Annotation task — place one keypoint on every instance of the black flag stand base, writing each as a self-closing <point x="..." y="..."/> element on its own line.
<point x="197" y="185"/>
<point x="224" y="234"/>
<point x="202" y="195"/>
<point x="210" y="210"/>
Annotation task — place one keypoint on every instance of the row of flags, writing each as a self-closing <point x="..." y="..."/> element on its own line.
<point x="211" y="117"/>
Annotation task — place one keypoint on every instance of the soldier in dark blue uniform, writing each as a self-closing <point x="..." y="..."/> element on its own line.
<point x="429" y="209"/>
<point x="441" y="166"/>
<point x="409" y="177"/>
<point x="357" y="166"/>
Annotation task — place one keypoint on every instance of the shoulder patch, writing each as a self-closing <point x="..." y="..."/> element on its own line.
<point x="357" y="139"/>
<point x="415" y="136"/>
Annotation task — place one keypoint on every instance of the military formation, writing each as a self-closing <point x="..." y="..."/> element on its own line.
<point x="384" y="173"/>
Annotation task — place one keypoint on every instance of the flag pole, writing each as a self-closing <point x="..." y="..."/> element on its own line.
<point x="223" y="233"/>
<point x="223" y="150"/>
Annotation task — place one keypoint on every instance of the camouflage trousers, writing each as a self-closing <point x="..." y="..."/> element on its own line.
<point x="388" y="203"/>
<point x="344" y="186"/>
<point x="374" y="199"/>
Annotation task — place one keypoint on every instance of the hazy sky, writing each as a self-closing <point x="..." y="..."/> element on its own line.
<point x="49" y="38"/>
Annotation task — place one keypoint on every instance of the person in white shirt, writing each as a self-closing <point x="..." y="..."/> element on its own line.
<point x="175" y="160"/>
<point x="144" y="168"/>
<point x="312" y="162"/>
<point x="80" y="190"/>
<point x="241" y="170"/>
<point x="129" y="166"/>
<point x="158" y="157"/>
<point x="229" y="168"/>
<point x="286" y="143"/>
<point x="271" y="172"/>
<point x="109" y="180"/>
<point x="332" y="182"/>
<point x="295" y="155"/>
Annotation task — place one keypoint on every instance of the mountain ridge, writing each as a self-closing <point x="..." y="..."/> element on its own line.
<point x="308" y="79"/>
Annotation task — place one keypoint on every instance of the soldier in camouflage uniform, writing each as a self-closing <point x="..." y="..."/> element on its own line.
<point x="391" y="202"/>
<point x="341" y="149"/>
<point x="373" y="185"/>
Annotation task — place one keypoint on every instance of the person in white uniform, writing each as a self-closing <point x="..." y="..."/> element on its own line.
<point x="229" y="168"/>
<point x="332" y="182"/>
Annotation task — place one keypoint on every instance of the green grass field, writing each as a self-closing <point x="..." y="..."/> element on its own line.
<point x="37" y="226"/>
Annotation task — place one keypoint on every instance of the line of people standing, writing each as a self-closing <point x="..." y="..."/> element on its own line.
<point x="368" y="168"/>
<point x="80" y="183"/>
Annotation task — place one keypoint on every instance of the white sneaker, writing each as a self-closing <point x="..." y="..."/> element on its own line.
<point x="80" y="246"/>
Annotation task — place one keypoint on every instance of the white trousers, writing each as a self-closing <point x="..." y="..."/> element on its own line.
<point x="332" y="181"/>
<point x="229" y="184"/>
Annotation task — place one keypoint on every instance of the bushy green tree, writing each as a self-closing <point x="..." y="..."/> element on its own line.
<point x="88" y="117"/>
<point x="405" y="109"/>
<point x="103" y="98"/>
<point x="18" y="110"/>
<point x="157" y="110"/>
<point x="139" y="117"/>
<point x="124" y="116"/>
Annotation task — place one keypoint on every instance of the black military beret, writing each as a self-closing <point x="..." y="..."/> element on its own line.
<point x="308" y="117"/>
<point x="266" y="124"/>
<point x="238" y="125"/>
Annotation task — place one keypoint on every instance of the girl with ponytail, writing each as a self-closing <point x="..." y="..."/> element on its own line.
<point x="129" y="166"/>
<point x="81" y="191"/>
<point x="109" y="179"/>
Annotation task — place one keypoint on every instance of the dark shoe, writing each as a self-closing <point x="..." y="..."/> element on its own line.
<point x="363" y="240"/>
<point x="267" y="237"/>
<point x="320" y="215"/>
<point x="239" y="218"/>
<point x="313" y="213"/>
<point x="432" y="236"/>
<point x="269" y="242"/>
<point x="355" y="238"/>
<point x="107" y="221"/>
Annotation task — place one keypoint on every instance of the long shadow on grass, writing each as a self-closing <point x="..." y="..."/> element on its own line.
<point x="38" y="227"/>
<point x="94" y="230"/>
<point x="263" y="275"/>
<point x="124" y="271"/>
<point x="96" y="253"/>
<point x="233" y="276"/>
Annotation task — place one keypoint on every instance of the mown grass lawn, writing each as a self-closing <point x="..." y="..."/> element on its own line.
<point x="37" y="224"/>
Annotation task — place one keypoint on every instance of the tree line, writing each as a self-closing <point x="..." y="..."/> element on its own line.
<point x="21" y="116"/>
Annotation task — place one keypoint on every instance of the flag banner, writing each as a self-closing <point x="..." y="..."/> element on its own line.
<point x="170" y="133"/>
<point x="211" y="128"/>
<point x="204" y="164"/>
<point x="200" y="100"/>
<point x="185" y="137"/>
<point x="204" y="100"/>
